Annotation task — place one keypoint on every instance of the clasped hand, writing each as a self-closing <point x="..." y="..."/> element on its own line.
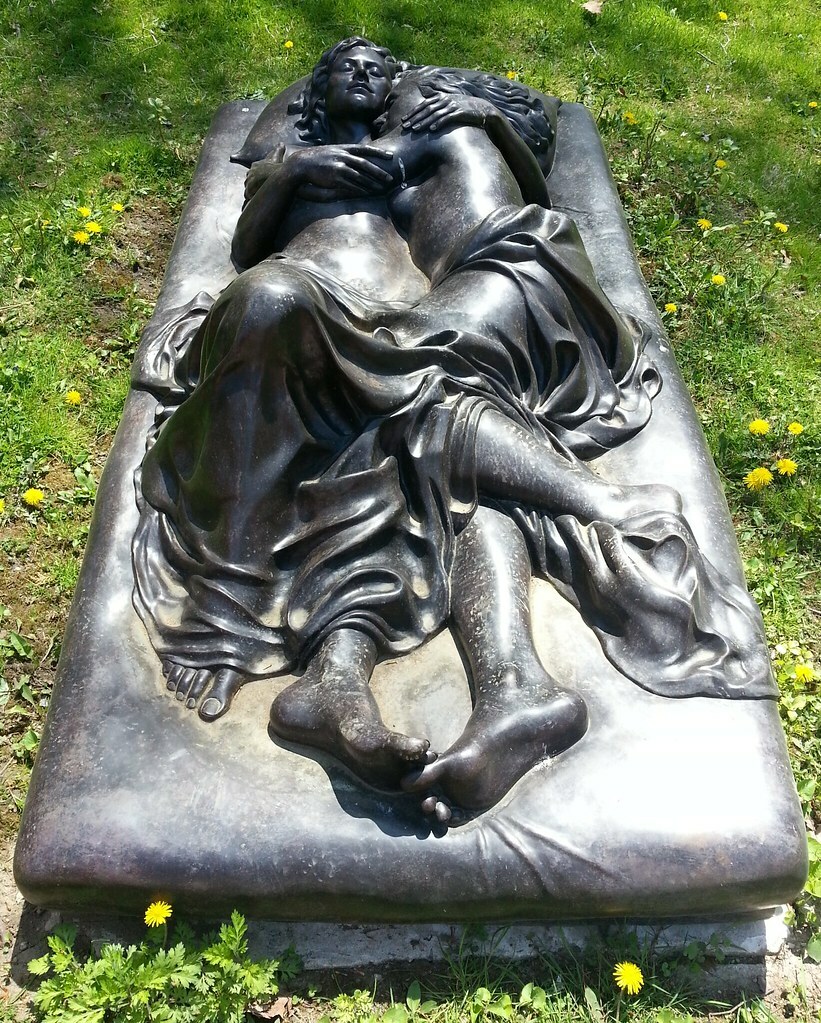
<point x="329" y="172"/>
<point x="446" y="110"/>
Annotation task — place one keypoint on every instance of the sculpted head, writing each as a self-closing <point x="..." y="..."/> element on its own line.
<point x="351" y="81"/>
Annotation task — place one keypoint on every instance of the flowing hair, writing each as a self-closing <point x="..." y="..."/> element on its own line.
<point x="525" y="112"/>
<point x="312" y="125"/>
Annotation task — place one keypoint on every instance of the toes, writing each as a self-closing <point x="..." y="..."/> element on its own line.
<point x="197" y="687"/>
<point x="438" y="808"/>
<point x="224" y="688"/>
<point x="212" y="709"/>
<point x="184" y="682"/>
<point x="173" y="676"/>
<point x="407" y="747"/>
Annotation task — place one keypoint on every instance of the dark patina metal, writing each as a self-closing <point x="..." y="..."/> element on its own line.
<point x="404" y="405"/>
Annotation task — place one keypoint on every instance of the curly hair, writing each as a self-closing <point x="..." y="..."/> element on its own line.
<point x="525" y="113"/>
<point x="313" y="124"/>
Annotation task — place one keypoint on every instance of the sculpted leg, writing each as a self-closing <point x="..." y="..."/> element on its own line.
<point x="332" y="708"/>
<point x="513" y="464"/>
<point x="521" y="716"/>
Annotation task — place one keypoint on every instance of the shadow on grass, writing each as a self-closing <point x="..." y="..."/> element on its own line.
<point x="86" y="71"/>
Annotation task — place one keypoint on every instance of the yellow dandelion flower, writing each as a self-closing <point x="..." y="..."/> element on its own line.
<point x="628" y="977"/>
<point x="84" y="211"/>
<point x="93" y="227"/>
<point x="629" y="117"/>
<point x="73" y="398"/>
<point x="2" y="505"/>
<point x="511" y="75"/>
<point x="721" y="164"/>
<point x="812" y="105"/>
<point x="783" y="228"/>
<point x="670" y="307"/>
<point x="795" y="428"/>
<point x="117" y="207"/>
<point x="722" y="15"/>
<point x="34" y="497"/>
<point x="288" y="44"/>
<point x="759" y="427"/>
<point x="786" y="467"/>
<point x="45" y="223"/>
<point x="81" y="237"/>
<point x="804" y="673"/>
<point x="157" y="913"/>
<point x="719" y="280"/>
<point x="758" y="478"/>
<point x="704" y="223"/>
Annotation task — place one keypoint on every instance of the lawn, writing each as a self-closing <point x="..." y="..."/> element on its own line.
<point x="712" y="121"/>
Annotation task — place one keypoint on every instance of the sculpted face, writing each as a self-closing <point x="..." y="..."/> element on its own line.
<point x="358" y="85"/>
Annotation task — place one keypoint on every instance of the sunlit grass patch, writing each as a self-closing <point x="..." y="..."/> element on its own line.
<point x="108" y="107"/>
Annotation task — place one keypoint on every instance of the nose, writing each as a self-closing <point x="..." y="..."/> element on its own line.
<point x="361" y="73"/>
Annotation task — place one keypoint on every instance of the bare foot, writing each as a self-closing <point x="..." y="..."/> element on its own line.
<point x="212" y="691"/>
<point x="514" y="726"/>
<point x="339" y="715"/>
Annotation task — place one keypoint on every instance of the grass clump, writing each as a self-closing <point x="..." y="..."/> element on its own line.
<point x="613" y="980"/>
<point x="209" y="981"/>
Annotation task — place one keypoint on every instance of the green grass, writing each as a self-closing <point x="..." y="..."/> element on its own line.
<point x="171" y="975"/>
<point x="108" y="105"/>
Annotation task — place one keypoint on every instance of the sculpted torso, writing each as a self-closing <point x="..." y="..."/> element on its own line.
<point x="395" y="242"/>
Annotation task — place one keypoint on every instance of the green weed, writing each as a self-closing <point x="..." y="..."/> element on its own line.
<point x="212" y="981"/>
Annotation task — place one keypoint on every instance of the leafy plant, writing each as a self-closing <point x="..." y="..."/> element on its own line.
<point x="190" y="982"/>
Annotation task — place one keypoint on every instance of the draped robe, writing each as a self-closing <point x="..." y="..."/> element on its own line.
<point x="301" y="476"/>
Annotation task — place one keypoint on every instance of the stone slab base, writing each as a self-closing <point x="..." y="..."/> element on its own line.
<point x="666" y="808"/>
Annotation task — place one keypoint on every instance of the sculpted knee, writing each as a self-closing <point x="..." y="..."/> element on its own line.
<point x="270" y="296"/>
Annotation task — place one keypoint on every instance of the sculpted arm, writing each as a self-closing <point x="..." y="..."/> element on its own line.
<point x="264" y="211"/>
<point x="444" y="111"/>
<point x="316" y="174"/>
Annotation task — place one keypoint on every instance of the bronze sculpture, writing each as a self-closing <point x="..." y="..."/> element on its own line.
<point x="383" y="430"/>
<point x="330" y="455"/>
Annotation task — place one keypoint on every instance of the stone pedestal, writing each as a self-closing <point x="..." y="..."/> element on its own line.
<point x="666" y="808"/>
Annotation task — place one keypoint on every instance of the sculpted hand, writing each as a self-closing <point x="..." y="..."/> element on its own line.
<point x="327" y="173"/>
<point x="444" y="111"/>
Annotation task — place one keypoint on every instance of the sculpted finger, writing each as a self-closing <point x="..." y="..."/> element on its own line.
<point x="371" y="152"/>
<point x="317" y="193"/>
<point x="369" y="170"/>
<point x="426" y="106"/>
<point x="443" y="812"/>
<point x="422" y="122"/>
